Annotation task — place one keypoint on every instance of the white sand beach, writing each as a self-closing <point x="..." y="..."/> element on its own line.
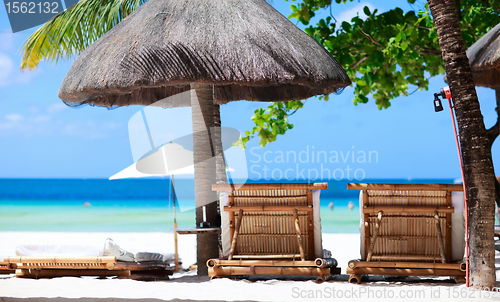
<point x="189" y="287"/>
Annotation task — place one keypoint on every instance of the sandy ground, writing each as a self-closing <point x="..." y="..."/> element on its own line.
<point x="189" y="287"/>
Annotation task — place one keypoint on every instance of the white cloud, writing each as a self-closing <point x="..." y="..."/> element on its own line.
<point x="14" y="117"/>
<point x="89" y="129"/>
<point x="347" y="15"/>
<point x="17" y="124"/>
<point x="56" y="108"/>
<point x="6" y="68"/>
<point x="6" y="40"/>
<point x="35" y="124"/>
<point x="10" y="73"/>
<point x="40" y="118"/>
<point x="25" y="76"/>
<point x="33" y="109"/>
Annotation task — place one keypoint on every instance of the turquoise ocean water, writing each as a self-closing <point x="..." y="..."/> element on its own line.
<point x="136" y="205"/>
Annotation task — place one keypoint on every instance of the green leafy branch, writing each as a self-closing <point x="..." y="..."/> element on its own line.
<point x="385" y="55"/>
<point x="270" y="122"/>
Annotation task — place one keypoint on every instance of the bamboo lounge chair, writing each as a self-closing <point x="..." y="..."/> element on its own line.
<point x="271" y="229"/>
<point x="410" y="230"/>
<point x="103" y="266"/>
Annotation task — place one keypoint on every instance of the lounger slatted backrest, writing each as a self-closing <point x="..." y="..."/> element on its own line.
<point x="277" y="220"/>
<point x="407" y="222"/>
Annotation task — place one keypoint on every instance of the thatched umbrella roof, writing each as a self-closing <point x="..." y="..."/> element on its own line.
<point x="484" y="59"/>
<point x="245" y="48"/>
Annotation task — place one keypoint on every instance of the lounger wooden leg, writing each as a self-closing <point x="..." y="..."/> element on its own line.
<point x="235" y="236"/>
<point x="440" y="237"/>
<point x="299" y="235"/>
<point x="320" y="279"/>
<point x="374" y="237"/>
<point x="356" y="279"/>
<point x="459" y="279"/>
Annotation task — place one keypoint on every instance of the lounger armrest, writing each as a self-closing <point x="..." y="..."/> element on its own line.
<point x="270" y="186"/>
<point x="412" y="187"/>
<point x="407" y="209"/>
<point x="267" y="208"/>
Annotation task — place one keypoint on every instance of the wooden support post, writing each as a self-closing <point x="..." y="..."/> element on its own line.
<point x="231" y="215"/>
<point x="235" y="237"/>
<point x="439" y="237"/>
<point x="299" y="235"/>
<point x="366" y="222"/>
<point x="374" y="236"/>
<point x="310" y="228"/>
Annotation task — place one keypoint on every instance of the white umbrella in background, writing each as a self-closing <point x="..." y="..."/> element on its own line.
<point x="169" y="159"/>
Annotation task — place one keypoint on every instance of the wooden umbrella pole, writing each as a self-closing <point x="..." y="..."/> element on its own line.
<point x="299" y="235"/>
<point x="236" y="232"/>
<point x="176" y="255"/>
<point x="374" y="237"/>
<point x="439" y="237"/>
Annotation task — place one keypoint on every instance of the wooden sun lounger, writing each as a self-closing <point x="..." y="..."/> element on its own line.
<point x="7" y="268"/>
<point x="407" y="231"/>
<point x="50" y="267"/>
<point x="272" y="232"/>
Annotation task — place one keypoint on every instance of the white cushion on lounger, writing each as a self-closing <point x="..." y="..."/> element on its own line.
<point x="71" y="247"/>
<point x="147" y="256"/>
<point x="113" y="249"/>
<point x="40" y="247"/>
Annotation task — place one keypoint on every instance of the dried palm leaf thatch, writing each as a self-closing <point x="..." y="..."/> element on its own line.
<point x="484" y="59"/>
<point x="246" y="49"/>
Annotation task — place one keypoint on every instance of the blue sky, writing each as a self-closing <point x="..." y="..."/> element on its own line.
<point x="41" y="137"/>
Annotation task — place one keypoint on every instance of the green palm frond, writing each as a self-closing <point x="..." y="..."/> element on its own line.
<point x="75" y="29"/>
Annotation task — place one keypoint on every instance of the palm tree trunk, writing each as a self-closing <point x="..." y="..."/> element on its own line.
<point x="204" y="172"/>
<point x="476" y="154"/>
